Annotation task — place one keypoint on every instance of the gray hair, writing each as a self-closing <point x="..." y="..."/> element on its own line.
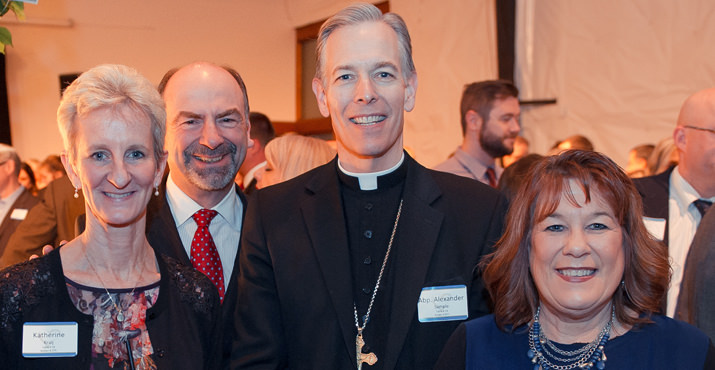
<point x="110" y="85"/>
<point x="8" y="153"/>
<point x="359" y="13"/>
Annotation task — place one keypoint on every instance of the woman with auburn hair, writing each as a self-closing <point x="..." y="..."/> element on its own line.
<point x="291" y="155"/>
<point x="576" y="276"/>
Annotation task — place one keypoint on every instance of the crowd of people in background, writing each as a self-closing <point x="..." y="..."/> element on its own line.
<point x="178" y="229"/>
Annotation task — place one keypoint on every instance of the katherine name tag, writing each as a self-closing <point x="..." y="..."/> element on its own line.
<point x="443" y="303"/>
<point x="49" y="339"/>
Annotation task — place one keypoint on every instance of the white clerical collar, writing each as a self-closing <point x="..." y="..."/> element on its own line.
<point x="368" y="181"/>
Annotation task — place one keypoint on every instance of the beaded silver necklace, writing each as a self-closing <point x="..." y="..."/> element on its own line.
<point x="541" y="349"/>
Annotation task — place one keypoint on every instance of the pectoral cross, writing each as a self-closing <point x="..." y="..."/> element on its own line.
<point x="369" y="358"/>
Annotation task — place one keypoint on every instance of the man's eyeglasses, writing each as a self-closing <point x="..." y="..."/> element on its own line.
<point x="712" y="131"/>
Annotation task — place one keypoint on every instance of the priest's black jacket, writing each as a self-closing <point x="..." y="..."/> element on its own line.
<point x="294" y="289"/>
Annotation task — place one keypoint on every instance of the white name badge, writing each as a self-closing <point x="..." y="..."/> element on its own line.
<point x="49" y="339"/>
<point x="655" y="226"/>
<point x="443" y="303"/>
<point x="18" y="214"/>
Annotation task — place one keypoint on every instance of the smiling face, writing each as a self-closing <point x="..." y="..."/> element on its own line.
<point x="114" y="164"/>
<point x="206" y="131"/>
<point x="577" y="257"/>
<point x="365" y="91"/>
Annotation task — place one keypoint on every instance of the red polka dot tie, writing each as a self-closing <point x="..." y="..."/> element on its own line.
<point x="204" y="255"/>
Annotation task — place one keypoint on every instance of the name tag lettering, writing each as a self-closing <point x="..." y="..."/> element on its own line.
<point x="49" y="339"/>
<point x="443" y="303"/>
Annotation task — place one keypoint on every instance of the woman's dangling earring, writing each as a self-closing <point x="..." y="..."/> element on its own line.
<point x="76" y="193"/>
<point x="156" y="190"/>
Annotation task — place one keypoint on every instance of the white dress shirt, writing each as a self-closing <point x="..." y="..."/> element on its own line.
<point x="683" y="221"/>
<point x="225" y="228"/>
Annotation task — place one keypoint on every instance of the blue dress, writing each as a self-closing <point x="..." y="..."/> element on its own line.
<point x="663" y="344"/>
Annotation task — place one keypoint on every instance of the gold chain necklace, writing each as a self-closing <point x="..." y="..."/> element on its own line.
<point x="120" y="312"/>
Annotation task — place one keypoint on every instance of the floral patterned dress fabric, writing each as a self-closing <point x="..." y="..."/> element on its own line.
<point x="109" y="348"/>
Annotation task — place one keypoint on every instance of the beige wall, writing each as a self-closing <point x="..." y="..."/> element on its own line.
<point x="452" y="45"/>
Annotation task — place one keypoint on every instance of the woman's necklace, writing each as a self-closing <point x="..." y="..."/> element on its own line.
<point x="120" y="312"/>
<point x="589" y="356"/>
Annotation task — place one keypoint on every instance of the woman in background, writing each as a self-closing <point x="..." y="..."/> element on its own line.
<point x="291" y="155"/>
<point x="27" y="178"/>
<point x="576" y="281"/>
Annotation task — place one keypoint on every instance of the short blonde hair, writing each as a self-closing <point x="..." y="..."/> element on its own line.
<point x="292" y="154"/>
<point x="110" y="85"/>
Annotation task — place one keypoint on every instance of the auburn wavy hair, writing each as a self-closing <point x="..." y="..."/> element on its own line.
<point x="506" y="271"/>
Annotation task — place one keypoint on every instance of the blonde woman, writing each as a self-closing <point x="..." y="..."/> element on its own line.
<point x="107" y="299"/>
<point x="291" y="155"/>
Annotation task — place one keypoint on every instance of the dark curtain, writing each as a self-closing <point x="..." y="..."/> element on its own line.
<point x="506" y="23"/>
<point x="4" y="108"/>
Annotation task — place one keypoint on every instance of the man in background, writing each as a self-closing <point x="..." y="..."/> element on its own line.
<point x="490" y="124"/>
<point x="675" y="201"/>
<point x="15" y="200"/>
<point x="261" y="133"/>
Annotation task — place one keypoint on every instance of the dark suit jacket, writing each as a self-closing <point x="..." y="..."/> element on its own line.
<point x="655" y="191"/>
<point x="8" y="226"/>
<point x="163" y="236"/>
<point x="49" y="222"/>
<point x="697" y="291"/>
<point x="251" y="187"/>
<point x="295" y="275"/>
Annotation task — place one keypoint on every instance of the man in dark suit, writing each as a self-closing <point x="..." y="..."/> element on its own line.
<point x="674" y="201"/>
<point x="15" y="200"/>
<point x="207" y="134"/>
<point x="50" y="221"/>
<point x="369" y="260"/>
<point x="261" y="133"/>
<point x="697" y="292"/>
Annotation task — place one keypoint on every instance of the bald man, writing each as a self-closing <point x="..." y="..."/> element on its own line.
<point x="207" y="135"/>
<point x="675" y="200"/>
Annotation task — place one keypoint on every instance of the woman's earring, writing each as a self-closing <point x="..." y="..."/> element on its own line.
<point x="156" y="190"/>
<point x="76" y="194"/>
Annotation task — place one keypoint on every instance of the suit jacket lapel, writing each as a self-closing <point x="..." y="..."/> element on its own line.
<point x="324" y="220"/>
<point x="417" y="235"/>
<point x="161" y="228"/>
<point x="656" y="195"/>
<point x="233" y="280"/>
